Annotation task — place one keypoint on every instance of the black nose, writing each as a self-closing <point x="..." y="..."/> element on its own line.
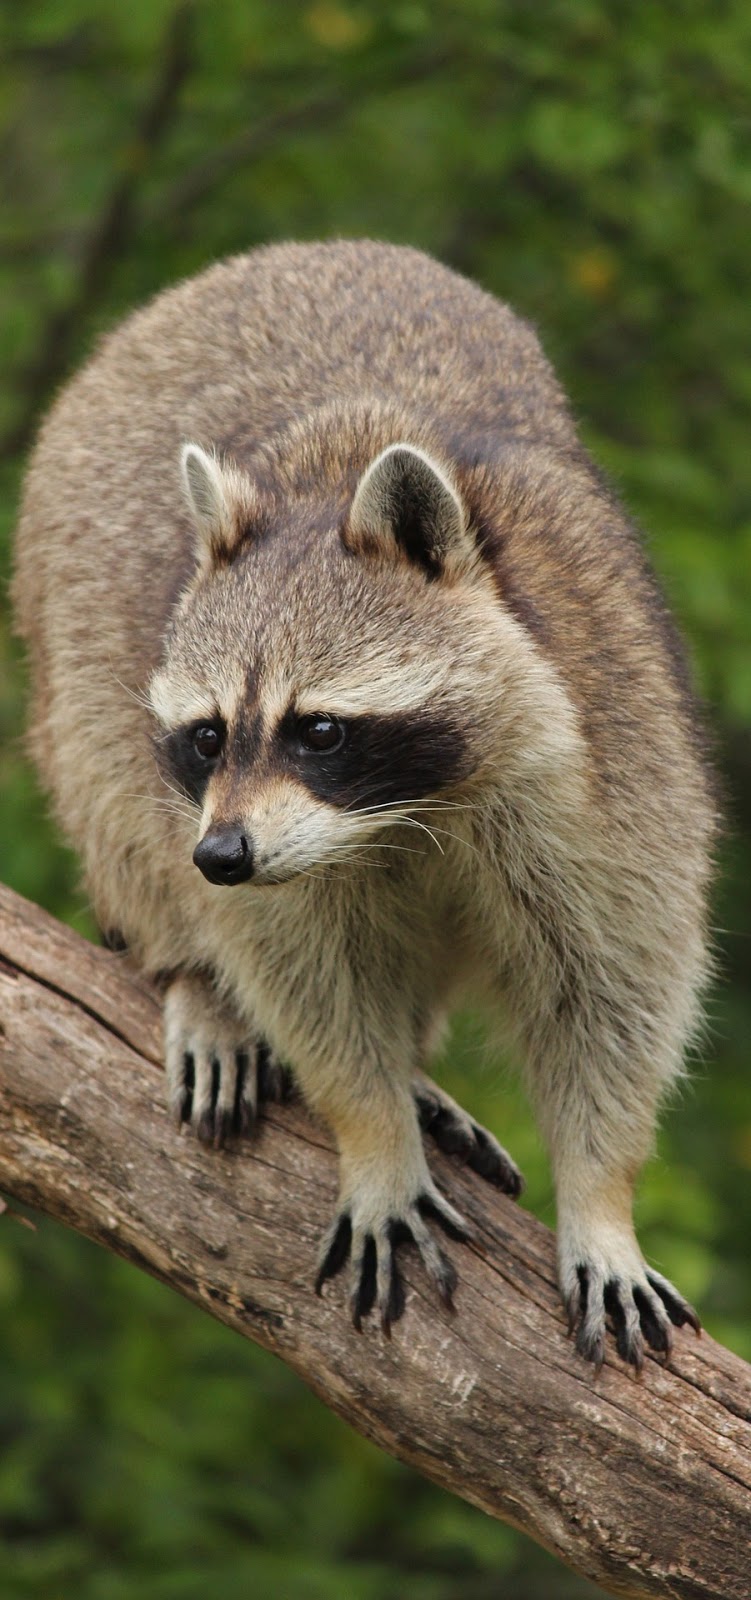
<point x="224" y="855"/>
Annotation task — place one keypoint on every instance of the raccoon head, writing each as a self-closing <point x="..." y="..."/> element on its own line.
<point x="330" y="668"/>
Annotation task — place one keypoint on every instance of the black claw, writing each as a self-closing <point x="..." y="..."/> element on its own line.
<point x="243" y="1114"/>
<point x="205" y="1127"/>
<point x="244" y="1119"/>
<point x="364" y="1298"/>
<point x="397" y="1299"/>
<point x="451" y="1133"/>
<point x="427" y="1106"/>
<point x="486" y="1156"/>
<point x="399" y="1233"/>
<point x="582" y="1274"/>
<point x="428" y="1208"/>
<point x="289" y="1085"/>
<point x="113" y="939"/>
<point x="656" y="1333"/>
<point x="270" y="1077"/>
<point x="628" y="1342"/>
<point x="678" y="1309"/>
<point x="447" y="1281"/>
<point x="591" y="1345"/>
<point x="635" y="1355"/>
<point x="491" y="1162"/>
<point x="181" y="1109"/>
<point x="612" y="1297"/>
<point x="513" y="1183"/>
<point x="189" y="1083"/>
<point x="216" y="1078"/>
<point x="223" y="1127"/>
<point x="337" y="1254"/>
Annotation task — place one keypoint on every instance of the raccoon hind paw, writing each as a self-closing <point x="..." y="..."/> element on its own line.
<point x="457" y="1134"/>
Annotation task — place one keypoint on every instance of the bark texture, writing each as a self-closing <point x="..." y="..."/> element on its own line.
<point x="643" y="1486"/>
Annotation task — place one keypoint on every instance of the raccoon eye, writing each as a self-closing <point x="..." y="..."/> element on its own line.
<point x="207" y="740"/>
<point x="320" y="734"/>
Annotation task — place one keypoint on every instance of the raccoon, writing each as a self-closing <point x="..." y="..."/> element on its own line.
<point x="356" y="694"/>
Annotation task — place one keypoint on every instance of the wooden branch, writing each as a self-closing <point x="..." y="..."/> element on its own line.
<point x="644" y="1486"/>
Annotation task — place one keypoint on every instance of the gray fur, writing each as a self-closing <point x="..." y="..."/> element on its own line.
<point x="559" y="877"/>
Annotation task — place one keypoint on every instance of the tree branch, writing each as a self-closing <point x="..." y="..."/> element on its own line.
<point x="296" y="116"/>
<point x="645" y="1487"/>
<point x="122" y="217"/>
<point x="104" y="243"/>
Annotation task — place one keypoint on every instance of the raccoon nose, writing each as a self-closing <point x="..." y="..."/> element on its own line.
<point x="224" y="855"/>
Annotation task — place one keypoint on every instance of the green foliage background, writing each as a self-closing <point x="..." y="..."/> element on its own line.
<point x="589" y="163"/>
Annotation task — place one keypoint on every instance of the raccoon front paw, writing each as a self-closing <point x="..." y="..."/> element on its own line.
<point x="370" y="1238"/>
<point x="637" y="1304"/>
<point x="457" y="1134"/>
<point x="217" y="1074"/>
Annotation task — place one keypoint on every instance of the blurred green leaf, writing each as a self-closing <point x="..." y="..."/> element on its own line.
<point x="591" y="168"/>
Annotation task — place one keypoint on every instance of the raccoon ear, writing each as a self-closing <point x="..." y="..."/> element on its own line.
<point x="221" y="501"/>
<point x="405" y="502"/>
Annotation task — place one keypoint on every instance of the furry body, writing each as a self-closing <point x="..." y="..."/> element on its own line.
<point x="477" y="614"/>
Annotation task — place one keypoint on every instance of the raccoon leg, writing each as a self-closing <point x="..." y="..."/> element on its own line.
<point x="387" y="1198"/>
<point x="216" y="1072"/>
<point x="597" y="1104"/>
<point x="598" y="1117"/>
<point x="457" y="1134"/>
<point x="602" y="995"/>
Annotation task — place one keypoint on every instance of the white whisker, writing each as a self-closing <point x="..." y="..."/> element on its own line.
<point x="160" y="803"/>
<point x="137" y="695"/>
<point x="410" y="805"/>
<point x="412" y="822"/>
